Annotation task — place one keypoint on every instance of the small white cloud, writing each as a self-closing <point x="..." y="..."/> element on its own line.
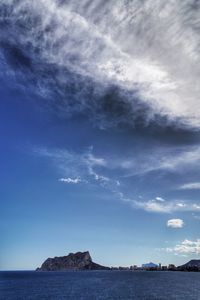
<point x="180" y="204"/>
<point x="71" y="180"/>
<point x="175" y="223"/>
<point x="160" y="199"/>
<point x="190" y="186"/>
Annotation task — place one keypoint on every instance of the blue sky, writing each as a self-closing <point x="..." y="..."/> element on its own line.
<point x="99" y="131"/>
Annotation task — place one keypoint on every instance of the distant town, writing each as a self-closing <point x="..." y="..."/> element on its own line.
<point x="148" y="267"/>
<point x="191" y="266"/>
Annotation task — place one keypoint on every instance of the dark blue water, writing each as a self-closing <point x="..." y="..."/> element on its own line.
<point x="99" y="285"/>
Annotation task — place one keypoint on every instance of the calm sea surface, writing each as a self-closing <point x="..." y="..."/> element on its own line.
<point x="99" y="285"/>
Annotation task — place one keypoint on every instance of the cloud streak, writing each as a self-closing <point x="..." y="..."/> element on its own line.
<point x="71" y="180"/>
<point x="190" y="186"/>
<point x="171" y="206"/>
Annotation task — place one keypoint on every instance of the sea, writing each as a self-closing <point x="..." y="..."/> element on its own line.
<point x="89" y="285"/>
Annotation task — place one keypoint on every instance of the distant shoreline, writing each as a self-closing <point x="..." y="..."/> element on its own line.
<point x="80" y="261"/>
<point x="74" y="271"/>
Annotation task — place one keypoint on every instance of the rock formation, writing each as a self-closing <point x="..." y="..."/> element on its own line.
<point x="73" y="261"/>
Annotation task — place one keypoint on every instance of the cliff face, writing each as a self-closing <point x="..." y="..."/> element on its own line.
<point x="73" y="261"/>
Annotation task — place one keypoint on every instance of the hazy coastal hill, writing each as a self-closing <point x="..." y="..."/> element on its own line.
<point x="73" y="261"/>
<point x="192" y="265"/>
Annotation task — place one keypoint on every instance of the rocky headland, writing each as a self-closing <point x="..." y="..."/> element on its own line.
<point x="73" y="261"/>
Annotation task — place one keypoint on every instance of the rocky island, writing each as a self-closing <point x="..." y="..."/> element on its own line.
<point x="73" y="261"/>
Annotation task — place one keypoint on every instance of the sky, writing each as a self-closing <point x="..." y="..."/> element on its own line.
<point x="100" y="131"/>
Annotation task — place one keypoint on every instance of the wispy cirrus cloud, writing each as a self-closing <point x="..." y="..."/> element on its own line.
<point x="161" y="159"/>
<point x="87" y="167"/>
<point x="78" y="167"/>
<point x="172" y="159"/>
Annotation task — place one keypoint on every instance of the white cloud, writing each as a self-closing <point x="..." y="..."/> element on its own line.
<point x="71" y="180"/>
<point x="190" y="186"/>
<point x="160" y="199"/>
<point x="181" y="204"/>
<point x="186" y="247"/>
<point x="154" y="206"/>
<point x="175" y="223"/>
<point x="196" y="206"/>
<point x="122" y="46"/>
